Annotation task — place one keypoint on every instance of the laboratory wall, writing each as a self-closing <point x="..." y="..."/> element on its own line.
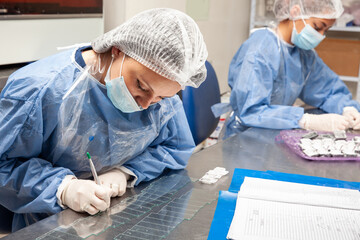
<point x="224" y="24"/>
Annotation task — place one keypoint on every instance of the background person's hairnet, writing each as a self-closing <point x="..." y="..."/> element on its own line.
<point x="329" y="9"/>
<point x="165" y="40"/>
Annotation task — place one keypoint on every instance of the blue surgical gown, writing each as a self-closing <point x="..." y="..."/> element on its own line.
<point x="53" y="111"/>
<point x="267" y="75"/>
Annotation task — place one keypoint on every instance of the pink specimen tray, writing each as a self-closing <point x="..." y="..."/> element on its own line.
<point x="292" y="138"/>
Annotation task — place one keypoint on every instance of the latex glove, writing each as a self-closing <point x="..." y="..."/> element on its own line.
<point x="85" y="196"/>
<point x="354" y="116"/>
<point x="324" y="122"/>
<point x="116" y="180"/>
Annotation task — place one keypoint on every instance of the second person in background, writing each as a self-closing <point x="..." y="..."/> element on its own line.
<point x="274" y="67"/>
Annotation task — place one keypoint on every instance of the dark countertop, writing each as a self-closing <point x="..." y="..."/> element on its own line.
<point x="177" y="204"/>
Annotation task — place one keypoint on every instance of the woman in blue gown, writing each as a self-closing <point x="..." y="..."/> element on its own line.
<point x="115" y="99"/>
<point x="276" y="66"/>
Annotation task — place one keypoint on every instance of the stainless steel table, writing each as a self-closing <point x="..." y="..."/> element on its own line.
<point x="177" y="206"/>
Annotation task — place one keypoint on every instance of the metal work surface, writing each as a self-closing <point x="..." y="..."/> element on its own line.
<point x="177" y="205"/>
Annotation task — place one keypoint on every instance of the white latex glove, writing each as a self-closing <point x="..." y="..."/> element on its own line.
<point x="85" y="196"/>
<point x="354" y="116"/>
<point x="324" y="122"/>
<point x="116" y="180"/>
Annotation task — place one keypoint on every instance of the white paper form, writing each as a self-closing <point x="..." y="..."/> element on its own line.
<point x="269" y="209"/>
<point x="281" y="191"/>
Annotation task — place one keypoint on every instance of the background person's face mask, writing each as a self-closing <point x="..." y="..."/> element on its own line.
<point x="308" y="38"/>
<point x="119" y="93"/>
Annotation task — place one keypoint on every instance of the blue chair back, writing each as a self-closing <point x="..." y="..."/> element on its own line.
<point x="197" y="104"/>
<point x="6" y="217"/>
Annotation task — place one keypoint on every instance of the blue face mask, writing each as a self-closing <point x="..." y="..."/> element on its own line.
<point x="119" y="93"/>
<point x="307" y="39"/>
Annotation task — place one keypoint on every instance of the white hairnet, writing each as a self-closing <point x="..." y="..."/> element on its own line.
<point x="329" y="9"/>
<point x="165" y="40"/>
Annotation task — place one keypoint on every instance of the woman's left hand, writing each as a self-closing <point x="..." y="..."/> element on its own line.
<point x="116" y="180"/>
<point x="354" y="116"/>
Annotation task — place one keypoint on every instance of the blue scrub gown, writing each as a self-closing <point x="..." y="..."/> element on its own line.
<point x="267" y="75"/>
<point x="46" y="137"/>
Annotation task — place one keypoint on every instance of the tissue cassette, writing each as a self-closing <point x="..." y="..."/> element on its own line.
<point x="330" y="145"/>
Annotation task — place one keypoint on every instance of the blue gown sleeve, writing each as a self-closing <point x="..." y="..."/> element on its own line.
<point x="252" y="77"/>
<point x="27" y="182"/>
<point x="170" y="150"/>
<point x="325" y="90"/>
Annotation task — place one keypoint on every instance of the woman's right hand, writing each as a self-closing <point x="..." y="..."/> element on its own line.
<point x="86" y="196"/>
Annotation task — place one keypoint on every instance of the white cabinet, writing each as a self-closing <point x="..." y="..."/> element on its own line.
<point x="261" y="14"/>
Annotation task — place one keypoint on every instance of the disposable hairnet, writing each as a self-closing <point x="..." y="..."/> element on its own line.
<point x="329" y="9"/>
<point x="165" y="40"/>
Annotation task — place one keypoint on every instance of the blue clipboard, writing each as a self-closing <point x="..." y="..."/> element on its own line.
<point x="225" y="207"/>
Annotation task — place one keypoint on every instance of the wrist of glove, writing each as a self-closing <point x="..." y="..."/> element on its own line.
<point x="116" y="180"/>
<point x="85" y="196"/>
<point x="324" y="122"/>
<point x="353" y="115"/>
